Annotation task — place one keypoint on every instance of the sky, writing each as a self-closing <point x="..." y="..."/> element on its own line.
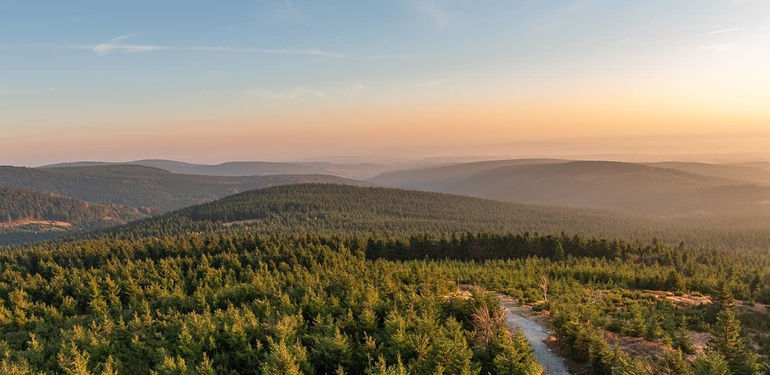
<point x="211" y="81"/>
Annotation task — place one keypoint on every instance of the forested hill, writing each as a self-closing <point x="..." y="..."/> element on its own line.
<point x="662" y="189"/>
<point x="151" y="190"/>
<point x="229" y="301"/>
<point x="324" y="208"/>
<point x="22" y="204"/>
<point x="248" y="168"/>
<point x="28" y="214"/>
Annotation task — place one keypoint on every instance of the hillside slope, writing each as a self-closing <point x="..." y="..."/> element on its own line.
<point x="734" y="172"/>
<point x="247" y="168"/>
<point x="329" y="208"/>
<point x="29" y="215"/>
<point x="152" y="190"/>
<point x="764" y="165"/>
<point x="432" y="178"/>
<point x="624" y="187"/>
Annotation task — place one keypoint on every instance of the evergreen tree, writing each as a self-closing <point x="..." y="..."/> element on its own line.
<point x="73" y="361"/>
<point x="675" y="281"/>
<point x="559" y="253"/>
<point x="109" y="367"/>
<point x="284" y="359"/>
<point x="723" y="298"/>
<point x="205" y="367"/>
<point x="676" y="364"/>
<point x="711" y="363"/>
<point x="727" y="340"/>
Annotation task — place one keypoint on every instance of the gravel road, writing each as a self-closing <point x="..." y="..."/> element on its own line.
<point x="536" y="334"/>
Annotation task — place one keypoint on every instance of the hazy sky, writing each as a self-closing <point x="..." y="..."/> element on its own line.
<point x="286" y="80"/>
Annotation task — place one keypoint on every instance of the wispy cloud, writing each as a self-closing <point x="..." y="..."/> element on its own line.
<point x="270" y="51"/>
<point x="722" y="31"/>
<point x="118" y="45"/>
<point x="115" y="45"/>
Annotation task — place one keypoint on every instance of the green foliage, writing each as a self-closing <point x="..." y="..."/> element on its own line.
<point x="308" y="289"/>
<point x="331" y="208"/>
<point x="727" y="340"/>
<point x="224" y="304"/>
<point x="21" y="204"/>
<point x="24" y="213"/>
<point x="151" y="190"/>
<point x="711" y="363"/>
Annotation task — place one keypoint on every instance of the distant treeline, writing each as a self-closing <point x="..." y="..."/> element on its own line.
<point x="340" y="209"/>
<point x="23" y="204"/>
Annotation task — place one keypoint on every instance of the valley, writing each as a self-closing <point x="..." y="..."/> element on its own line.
<point x="265" y="277"/>
<point x="411" y="187"/>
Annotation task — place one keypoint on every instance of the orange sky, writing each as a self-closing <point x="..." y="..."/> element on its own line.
<point x="462" y="79"/>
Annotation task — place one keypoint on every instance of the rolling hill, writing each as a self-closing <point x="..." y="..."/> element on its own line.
<point x="247" y="168"/>
<point x="151" y="190"/>
<point x="764" y="165"/>
<point x="29" y="215"/>
<point x="623" y="187"/>
<point x="199" y="294"/>
<point x="346" y="209"/>
<point x="439" y="175"/>
<point x="733" y="172"/>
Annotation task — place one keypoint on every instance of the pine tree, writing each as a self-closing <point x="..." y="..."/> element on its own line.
<point x="624" y="365"/>
<point x="513" y="356"/>
<point x="676" y="364"/>
<point x="109" y="367"/>
<point x="682" y="338"/>
<point x="283" y="359"/>
<point x="711" y="363"/>
<point x="72" y="361"/>
<point x="675" y="282"/>
<point x="559" y="253"/>
<point x="723" y="298"/>
<point x="205" y="367"/>
<point x="727" y="340"/>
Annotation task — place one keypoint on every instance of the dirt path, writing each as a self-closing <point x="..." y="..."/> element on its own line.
<point x="536" y="335"/>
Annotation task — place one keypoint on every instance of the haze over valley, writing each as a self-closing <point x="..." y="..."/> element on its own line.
<point x="399" y="187"/>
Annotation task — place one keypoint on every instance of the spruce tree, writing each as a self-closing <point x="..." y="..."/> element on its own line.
<point x="676" y="364"/>
<point x="711" y="363"/>
<point x="727" y="340"/>
<point x="723" y="298"/>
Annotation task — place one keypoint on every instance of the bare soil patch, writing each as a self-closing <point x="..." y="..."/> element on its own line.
<point x="242" y="222"/>
<point x="680" y="300"/>
<point x="20" y="223"/>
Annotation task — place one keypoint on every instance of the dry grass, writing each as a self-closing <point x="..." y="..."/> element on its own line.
<point x="635" y="346"/>
<point x="683" y="300"/>
<point x="242" y="222"/>
<point x="19" y="223"/>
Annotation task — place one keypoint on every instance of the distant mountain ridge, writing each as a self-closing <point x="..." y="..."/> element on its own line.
<point x="744" y="173"/>
<point x="246" y="168"/>
<point x="151" y="190"/>
<point x="764" y="165"/>
<point x="347" y="209"/>
<point x="322" y="208"/>
<point x="666" y="189"/>
<point x="438" y="175"/>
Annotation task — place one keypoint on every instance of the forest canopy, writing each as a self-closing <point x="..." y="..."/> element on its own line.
<point x="305" y="289"/>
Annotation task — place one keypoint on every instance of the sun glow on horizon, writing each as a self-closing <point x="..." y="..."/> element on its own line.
<point x="422" y="74"/>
